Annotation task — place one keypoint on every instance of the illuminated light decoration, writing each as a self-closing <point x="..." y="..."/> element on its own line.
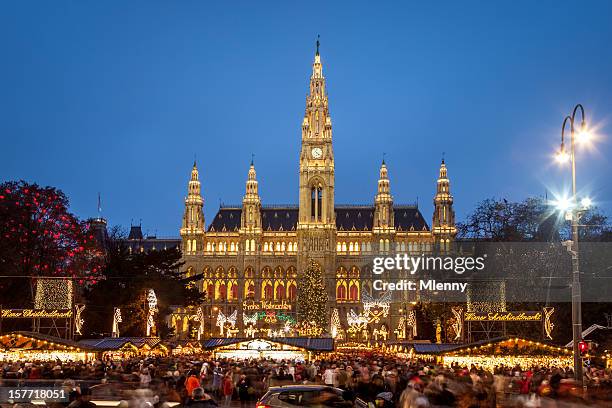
<point x="200" y="318"/>
<point x="250" y="319"/>
<point x="354" y="319"/>
<point x="53" y="294"/>
<point x="373" y="309"/>
<point x="503" y="317"/>
<point x="335" y="323"/>
<point x="458" y="323"/>
<point x="382" y="332"/>
<point x="250" y="331"/>
<point x="116" y="320"/>
<point x="78" y="320"/>
<point x="412" y="322"/>
<point x="401" y="328"/>
<point x="309" y="329"/>
<point x="548" y="325"/>
<point x="312" y="296"/>
<point x="222" y="319"/>
<point x="152" y="309"/>
<point x="231" y="331"/>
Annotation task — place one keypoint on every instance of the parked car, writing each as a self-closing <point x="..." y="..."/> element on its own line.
<point x="290" y="396"/>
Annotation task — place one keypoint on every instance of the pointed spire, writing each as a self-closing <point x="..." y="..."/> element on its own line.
<point x="443" y="172"/>
<point x="318" y="43"/>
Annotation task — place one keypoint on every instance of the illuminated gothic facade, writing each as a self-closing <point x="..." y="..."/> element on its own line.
<point x="249" y="257"/>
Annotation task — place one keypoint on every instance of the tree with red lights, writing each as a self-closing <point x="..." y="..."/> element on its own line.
<point x="40" y="237"/>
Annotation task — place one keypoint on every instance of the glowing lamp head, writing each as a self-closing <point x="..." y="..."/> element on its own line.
<point x="562" y="156"/>
<point x="584" y="136"/>
<point x="586" y="202"/>
<point x="563" y="204"/>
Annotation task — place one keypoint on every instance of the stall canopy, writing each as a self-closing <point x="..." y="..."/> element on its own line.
<point x="278" y="348"/>
<point x="24" y="345"/>
<point x="137" y="345"/>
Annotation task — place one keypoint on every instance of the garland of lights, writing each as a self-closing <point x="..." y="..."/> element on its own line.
<point x="53" y="294"/>
<point x="401" y="328"/>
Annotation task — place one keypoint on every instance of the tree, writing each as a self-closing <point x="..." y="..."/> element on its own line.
<point x="40" y="237"/>
<point x="127" y="276"/>
<point x="312" y="296"/>
<point x="530" y="220"/>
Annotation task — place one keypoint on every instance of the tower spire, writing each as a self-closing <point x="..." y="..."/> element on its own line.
<point x="318" y="43"/>
<point x="192" y="230"/>
<point x="251" y="203"/>
<point x="443" y="225"/>
<point x="383" y="202"/>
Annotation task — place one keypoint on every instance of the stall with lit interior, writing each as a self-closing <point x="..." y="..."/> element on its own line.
<point x="117" y="348"/>
<point x="509" y="352"/>
<point x="282" y="348"/>
<point x="31" y="346"/>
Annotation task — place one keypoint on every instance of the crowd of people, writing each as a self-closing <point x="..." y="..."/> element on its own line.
<point x="383" y="381"/>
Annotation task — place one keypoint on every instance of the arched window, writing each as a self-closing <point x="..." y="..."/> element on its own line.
<point x="280" y="292"/>
<point x="341" y="291"/>
<point x="292" y="290"/>
<point x="354" y="291"/>
<point x="267" y="290"/>
<point x="188" y="245"/>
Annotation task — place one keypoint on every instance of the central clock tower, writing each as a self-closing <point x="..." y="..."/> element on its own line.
<point x="316" y="229"/>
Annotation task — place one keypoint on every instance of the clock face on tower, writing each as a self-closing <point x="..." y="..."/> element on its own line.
<point x="317" y="152"/>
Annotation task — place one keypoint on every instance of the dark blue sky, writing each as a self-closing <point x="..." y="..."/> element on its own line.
<point x="117" y="97"/>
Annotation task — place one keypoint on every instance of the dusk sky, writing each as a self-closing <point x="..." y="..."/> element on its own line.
<point x="117" y="98"/>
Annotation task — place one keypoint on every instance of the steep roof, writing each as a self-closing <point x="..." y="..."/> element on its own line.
<point x="348" y="218"/>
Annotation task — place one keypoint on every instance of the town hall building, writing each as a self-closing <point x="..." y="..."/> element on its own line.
<point x="249" y="258"/>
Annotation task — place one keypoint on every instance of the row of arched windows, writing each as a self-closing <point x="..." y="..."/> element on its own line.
<point x="347" y="284"/>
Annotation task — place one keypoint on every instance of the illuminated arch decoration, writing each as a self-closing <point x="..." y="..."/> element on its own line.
<point x="78" y="319"/>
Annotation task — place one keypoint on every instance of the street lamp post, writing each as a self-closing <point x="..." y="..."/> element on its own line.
<point x="573" y="248"/>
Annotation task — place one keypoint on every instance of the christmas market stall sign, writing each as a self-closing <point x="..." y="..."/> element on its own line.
<point x="265" y="305"/>
<point x="36" y="313"/>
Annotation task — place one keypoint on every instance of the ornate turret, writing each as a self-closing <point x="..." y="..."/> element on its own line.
<point x="383" y="203"/>
<point x="251" y="204"/>
<point x="192" y="230"/>
<point x="443" y="225"/>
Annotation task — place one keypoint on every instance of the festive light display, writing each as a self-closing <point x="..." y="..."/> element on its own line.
<point x="309" y="329"/>
<point x="53" y="294"/>
<point x="116" y="320"/>
<point x="400" y="332"/>
<point x="412" y="322"/>
<point x="152" y="309"/>
<point x="250" y="331"/>
<point x="200" y="319"/>
<point x="375" y="309"/>
<point x="78" y="320"/>
<point x="458" y="323"/>
<point x="249" y="319"/>
<point x="222" y="319"/>
<point x="312" y="296"/>
<point x="489" y="362"/>
<point x="548" y="325"/>
<point x="354" y="319"/>
<point x="381" y="333"/>
<point x="335" y="323"/>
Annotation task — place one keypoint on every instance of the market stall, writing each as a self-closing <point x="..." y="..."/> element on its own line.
<point x="126" y="347"/>
<point x="31" y="346"/>
<point x="509" y="352"/>
<point x="283" y="348"/>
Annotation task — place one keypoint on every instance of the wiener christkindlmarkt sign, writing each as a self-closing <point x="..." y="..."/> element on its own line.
<point x="36" y="313"/>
